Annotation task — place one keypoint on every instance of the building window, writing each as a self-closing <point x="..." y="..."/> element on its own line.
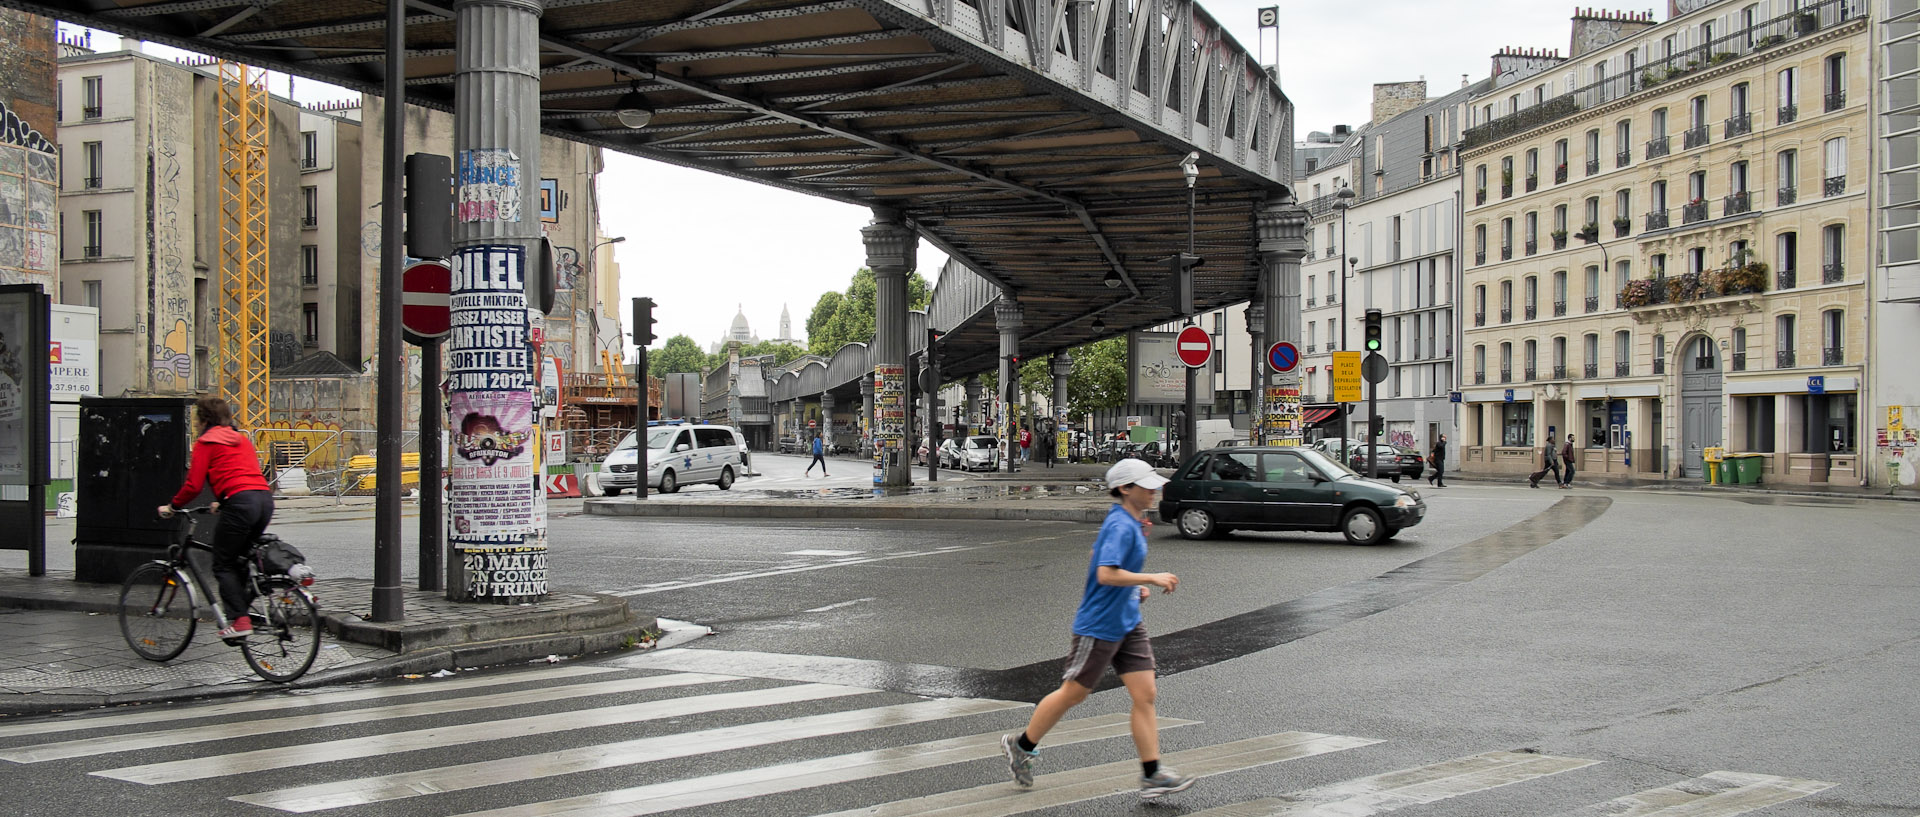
<point x="309" y="265"/>
<point x="92" y="98"/>
<point x="1783" y="342"/>
<point x="1622" y="273"/>
<point x="1506" y="301"/>
<point x="1739" y="362"/>
<point x="1506" y="239"/>
<point x="1560" y="293"/>
<point x="1659" y="354"/>
<point x="1516" y="425"/>
<point x="1560" y="358"/>
<point x="1833" y="239"/>
<point x="1480" y="305"/>
<point x="1532" y="220"/>
<point x="1696" y="260"/>
<point x="1531" y="362"/>
<point x="1622" y="212"/>
<point x="1787" y="260"/>
<point x="1760" y="420"/>
<point x="1506" y="363"/>
<point x="1531" y="291"/>
<point x="1834" y="168"/>
<point x="1560" y="158"/>
<point x="1623" y="143"/>
<point x="1593" y="288"/>
<point x="93" y="164"/>
<point x="1593" y="151"/>
<point x="1479" y="364"/>
<point x="310" y="324"/>
<point x="310" y="200"/>
<point x="1622" y="353"/>
<point x="96" y="233"/>
<point x="309" y="149"/>
<point x="1835" y="84"/>
<point x="90" y="294"/>
<point x="1833" y="337"/>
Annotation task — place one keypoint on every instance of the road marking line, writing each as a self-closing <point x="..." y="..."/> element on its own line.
<point x="818" y="552"/>
<point x="613" y="755"/>
<point x="836" y="606"/>
<point x="806" y="774"/>
<point x="1715" y="794"/>
<point x="1380" y="793"/>
<point x="302" y="754"/>
<point x="242" y="729"/>
<point x="282" y="703"/>
<point x="1061" y="788"/>
<point x="642" y="591"/>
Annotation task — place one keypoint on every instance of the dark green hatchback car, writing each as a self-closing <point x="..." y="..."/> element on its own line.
<point x="1222" y="490"/>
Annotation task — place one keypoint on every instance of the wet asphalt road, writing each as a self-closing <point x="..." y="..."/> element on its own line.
<point x="1664" y="635"/>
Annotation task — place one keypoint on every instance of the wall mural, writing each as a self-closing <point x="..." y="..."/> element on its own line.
<point x="29" y="171"/>
<point x="172" y="273"/>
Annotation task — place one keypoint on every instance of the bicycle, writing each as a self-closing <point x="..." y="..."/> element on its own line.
<point x="161" y="605"/>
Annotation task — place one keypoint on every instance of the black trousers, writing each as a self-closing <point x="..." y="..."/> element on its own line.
<point x="243" y="517"/>
<point x="1440" y="471"/>
<point x="820" y="460"/>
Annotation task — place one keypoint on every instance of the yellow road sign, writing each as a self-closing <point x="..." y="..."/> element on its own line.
<point x="1346" y="377"/>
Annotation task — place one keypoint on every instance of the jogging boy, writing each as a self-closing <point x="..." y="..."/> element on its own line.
<point x="1107" y="631"/>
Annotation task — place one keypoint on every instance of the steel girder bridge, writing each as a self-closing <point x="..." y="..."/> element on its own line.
<point x="1036" y="142"/>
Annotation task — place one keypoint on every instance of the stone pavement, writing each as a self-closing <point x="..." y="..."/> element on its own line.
<point x="64" y="649"/>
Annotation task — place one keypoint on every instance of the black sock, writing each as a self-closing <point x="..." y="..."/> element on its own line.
<point x="1027" y="745"/>
<point x="1148" y="767"/>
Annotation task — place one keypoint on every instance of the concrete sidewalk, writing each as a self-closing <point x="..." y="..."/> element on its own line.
<point x="65" y="651"/>
<point x="1067" y="492"/>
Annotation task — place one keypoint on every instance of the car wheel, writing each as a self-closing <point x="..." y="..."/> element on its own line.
<point x="1362" y="526"/>
<point x="667" y="483"/>
<point x="726" y="478"/>
<point x="1196" y="524"/>
<point x="610" y="491"/>
<point x="1396" y="477"/>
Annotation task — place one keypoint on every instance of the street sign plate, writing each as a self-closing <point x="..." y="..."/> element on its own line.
<point x="1283" y="356"/>
<point x="1346" y="377"/>
<point x="1509" y="399"/>
<point x="1816" y="384"/>
<point x="425" y="290"/>
<point x="1195" y="347"/>
<point x="1374" y="368"/>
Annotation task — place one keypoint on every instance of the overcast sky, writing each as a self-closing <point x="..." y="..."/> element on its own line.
<point x="703" y="245"/>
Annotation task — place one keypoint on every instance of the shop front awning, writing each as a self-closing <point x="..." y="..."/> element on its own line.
<point x="1314" y="416"/>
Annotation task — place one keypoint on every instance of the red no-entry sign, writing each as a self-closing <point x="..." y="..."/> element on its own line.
<point x="1195" y="347"/>
<point x="425" y="287"/>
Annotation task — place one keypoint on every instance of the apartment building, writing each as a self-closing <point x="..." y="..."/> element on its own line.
<point x="1670" y="245"/>
<point x="1895" y="382"/>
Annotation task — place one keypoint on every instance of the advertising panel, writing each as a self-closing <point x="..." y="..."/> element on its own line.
<point x="1155" y="375"/>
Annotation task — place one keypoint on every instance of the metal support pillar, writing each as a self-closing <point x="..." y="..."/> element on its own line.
<point x="497" y="506"/>
<point x="973" y="389"/>
<point x="1062" y="366"/>
<point x="891" y="252"/>
<point x="1256" y="389"/>
<point x="866" y="417"/>
<point x="1282" y="227"/>
<point x="826" y="421"/>
<point x="433" y="519"/>
<point x="389" y="601"/>
<point x="1008" y="318"/>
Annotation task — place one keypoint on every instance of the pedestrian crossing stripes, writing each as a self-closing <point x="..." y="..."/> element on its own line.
<point x="719" y="743"/>
<point x="682" y="584"/>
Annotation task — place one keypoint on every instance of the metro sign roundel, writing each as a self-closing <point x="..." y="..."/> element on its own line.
<point x="1195" y="347"/>
<point x="425" y="290"/>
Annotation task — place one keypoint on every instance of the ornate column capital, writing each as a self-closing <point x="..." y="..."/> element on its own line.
<point x="1282" y="227"/>
<point x="1008" y="316"/>
<point x="1062" y="364"/>
<point x="1256" y="318"/>
<point x="892" y="247"/>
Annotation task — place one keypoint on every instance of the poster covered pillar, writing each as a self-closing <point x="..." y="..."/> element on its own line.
<point x="1008" y="317"/>
<point x="1062" y="367"/>
<point x="1257" y="336"/>
<point x="496" y="508"/>
<point x="891" y="251"/>
<point x="866" y="417"/>
<point x="973" y="389"/>
<point x="826" y="421"/>
<point x="1282" y="228"/>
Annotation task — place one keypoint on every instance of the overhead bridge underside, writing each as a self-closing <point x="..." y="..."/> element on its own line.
<point x="1035" y="141"/>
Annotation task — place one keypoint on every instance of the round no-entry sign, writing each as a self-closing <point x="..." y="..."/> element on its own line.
<point x="425" y="287"/>
<point x="1195" y="347"/>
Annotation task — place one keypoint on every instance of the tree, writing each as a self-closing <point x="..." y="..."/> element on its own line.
<point x="783" y="353"/>
<point x="680" y="354"/>
<point x="1099" y="379"/>
<point x="822" y="314"/>
<point x="851" y="317"/>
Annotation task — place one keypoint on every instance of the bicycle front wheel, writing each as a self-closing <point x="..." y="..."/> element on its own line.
<point x="156" y="612"/>
<point x="286" y="631"/>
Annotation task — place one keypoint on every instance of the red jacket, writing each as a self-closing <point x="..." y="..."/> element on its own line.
<point x="225" y="458"/>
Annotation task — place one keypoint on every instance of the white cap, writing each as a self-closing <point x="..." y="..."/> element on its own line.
<point x="1131" y="471"/>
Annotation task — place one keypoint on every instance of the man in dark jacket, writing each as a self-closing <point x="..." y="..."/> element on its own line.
<point x="1439" y="457"/>
<point x="1566" y="463"/>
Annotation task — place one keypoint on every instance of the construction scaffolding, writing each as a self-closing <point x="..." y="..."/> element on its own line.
<point x="242" y="279"/>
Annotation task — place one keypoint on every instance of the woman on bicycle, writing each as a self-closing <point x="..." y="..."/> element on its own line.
<point x="224" y="459"/>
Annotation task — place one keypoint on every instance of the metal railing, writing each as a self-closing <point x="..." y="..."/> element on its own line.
<point x="1834" y="186"/>
<point x="310" y="339"/>
<point x="1560" y="175"/>
<point x="1739" y="361"/>
<point x="1479" y="378"/>
<point x="1833" y="273"/>
<point x="1591" y="371"/>
<point x="1506" y="252"/>
<point x="310" y="278"/>
<point x="1506" y="314"/>
<point x="1533" y="182"/>
<point x="91" y="112"/>
<point x="1331" y="300"/>
<point x="1784" y="279"/>
<point x="1657" y="220"/>
<point x="309" y="221"/>
<point x="1480" y="196"/>
<point x="1623" y="158"/>
<point x="1593" y="303"/>
<point x="1506" y="190"/>
<point x="1692" y="212"/>
<point x="1479" y="257"/>
<point x="1533" y="246"/>
<point x="1593" y="166"/>
<point x="1530" y="312"/>
<point x="90" y="251"/>
<point x="1659" y="146"/>
<point x="1786" y="196"/>
<point x="1783" y="359"/>
<point x="1831" y="356"/>
<point x="1527" y="374"/>
<point x="1559" y="242"/>
<point x="1559" y="308"/>
<point x="1621" y="369"/>
<point x="91" y="182"/>
<point x="1836" y="100"/>
<point x="1659" y="365"/>
<point x="1479" y="319"/>
<point x="1506" y="375"/>
<point x="1787" y="114"/>
<point x="1622" y="226"/>
<point x="1736" y="203"/>
<point x="1310" y="303"/>
<point x="309" y="162"/>
<point x="1739" y="125"/>
<point x="1560" y="372"/>
<point x="1694" y="137"/>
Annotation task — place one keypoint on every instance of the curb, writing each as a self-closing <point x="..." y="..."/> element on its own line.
<point x="771" y="510"/>
<point x="1700" y="487"/>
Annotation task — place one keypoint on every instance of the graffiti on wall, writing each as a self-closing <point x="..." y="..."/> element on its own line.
<point x="28" y="213"/>
<point x="566" y="268"/>
<point x="172" y="345"/>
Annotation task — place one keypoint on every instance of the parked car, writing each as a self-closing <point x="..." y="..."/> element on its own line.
<point x="1394" y="461"/>
<point x="980" y="452"/>
<point x="1248" y="488"/>
<point x="950" y="456"/>
<point x="789" y="444"/>
<point x="1331" y="445"/>
<point x="677" y="455"/>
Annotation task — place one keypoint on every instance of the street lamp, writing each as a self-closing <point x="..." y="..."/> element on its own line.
<point x="592" y="274"/>
<point x="1342" y="201"/>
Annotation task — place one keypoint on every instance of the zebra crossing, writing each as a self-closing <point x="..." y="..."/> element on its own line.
<point x="587" y="741"/>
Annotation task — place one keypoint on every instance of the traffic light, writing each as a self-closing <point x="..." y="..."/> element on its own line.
<point x="1180" y="294"/>
<point x="1372" y="334"/>
<point x="643" y="322"/>
<point x="1376" y="427"/>
<point x="429" y="206"/>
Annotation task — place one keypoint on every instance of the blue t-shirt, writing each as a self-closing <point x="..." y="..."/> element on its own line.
<point x="1108" y="612"/>
<point x="816" y="445"/>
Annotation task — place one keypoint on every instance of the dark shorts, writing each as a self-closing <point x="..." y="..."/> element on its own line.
<point x="1088" y="657"/>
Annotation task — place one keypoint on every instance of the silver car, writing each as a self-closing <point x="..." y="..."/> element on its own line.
<point x="980" y="452"/>
<point x="676" y="455"/>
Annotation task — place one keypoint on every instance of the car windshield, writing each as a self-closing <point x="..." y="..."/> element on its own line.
<point x="982" y="442"/>
<point x="660" y="437"/>
<point x="1327" y="464"/>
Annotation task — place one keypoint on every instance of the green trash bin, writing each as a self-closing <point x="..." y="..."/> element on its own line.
<point x="1745" y="468"/>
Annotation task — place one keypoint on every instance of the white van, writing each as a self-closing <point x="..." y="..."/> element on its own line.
<point x="676" y="455"/>
<point x="1216" y="433"/>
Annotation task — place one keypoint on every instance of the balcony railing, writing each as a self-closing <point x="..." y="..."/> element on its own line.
<point x="91" y="182"/>
<point x="1533" y="246"/>
<point x="1836" y="100"/>
<point x="1480" y="196"/>
<point x="1694" y="137"/>
<point x="1506" y="190"/>
<point x="1622" y="226"/>
<point x="1739" y="361"/>
<point x="1593" y="166"/>
<point x="309" y="162"/>
<point x="1832" y="357"/>
<point x="1479" y="257"/>
<point x="1592" y="370"/>
<point x="1659" y="146"/>
<point x="1506" y="252"/>
<point x="1739" y="125"/>
<point x="1311" y="348"/>
<point x="1533" y="182"/>
<point x="1527" y="374"/>
<point x="91" y="112"/>
<point x="1331" y="300"/>
<point x="1560" y="372"/>
<point x="310" y="339"/>
<point x="309" y="221"/>
<point x="1788" y="113"/>
<point x="1311" y="303"/>
<point x="310" y="278"/>
<point x="1657" y="221"/>
<point x="1784" y="279"/>
<point x="1834" y="186"/>
<point x="1622" y="369"/>
<point x="1560" y="175"/>
<point x="1593" y="303"/>
<point x="1506" y="314"/>
<point x="1737" y="203"/>
<point x="1479" y="378"/>
<point x="1531" y="312"/>
<point x="1787" y="196"/>
<point x="1559" y="308"/>
<point x="1696" y="211"/>
<point x="1659" y="365"/>
<point x="1623" y="158"/>
<point x="1559" y="242"/>
<point x="1783" y="359"/>
<point x="1479" y="319"/>
<point x="90" y="251"/>
<point x="1506" y="375"/>
<point x="1833" y="273"/>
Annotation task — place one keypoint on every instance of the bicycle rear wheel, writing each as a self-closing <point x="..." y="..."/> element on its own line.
<point x="286" y="631"/>
<point x="156" y="612"/>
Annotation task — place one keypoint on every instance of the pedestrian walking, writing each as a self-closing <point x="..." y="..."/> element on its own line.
<point x="1550" y="461"/>
<point x="1566" y="460"/>
<point x="1026" y="444"/>
<point x="1047" y="441"/>
<point x="1439" y="457"/>
<point x="1107" y="631"/>
<point x="819" y="456"/>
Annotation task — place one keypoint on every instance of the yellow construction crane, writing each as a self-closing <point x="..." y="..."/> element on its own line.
<point x="242" y="277"/>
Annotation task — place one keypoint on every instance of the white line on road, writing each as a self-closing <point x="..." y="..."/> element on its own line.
<point x="1380" y="793"/>
<point x="641" y="591"/>
<point x="817" y="552"/>
<point x="836" y="605"/>
<point x="1716" y="794"/>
